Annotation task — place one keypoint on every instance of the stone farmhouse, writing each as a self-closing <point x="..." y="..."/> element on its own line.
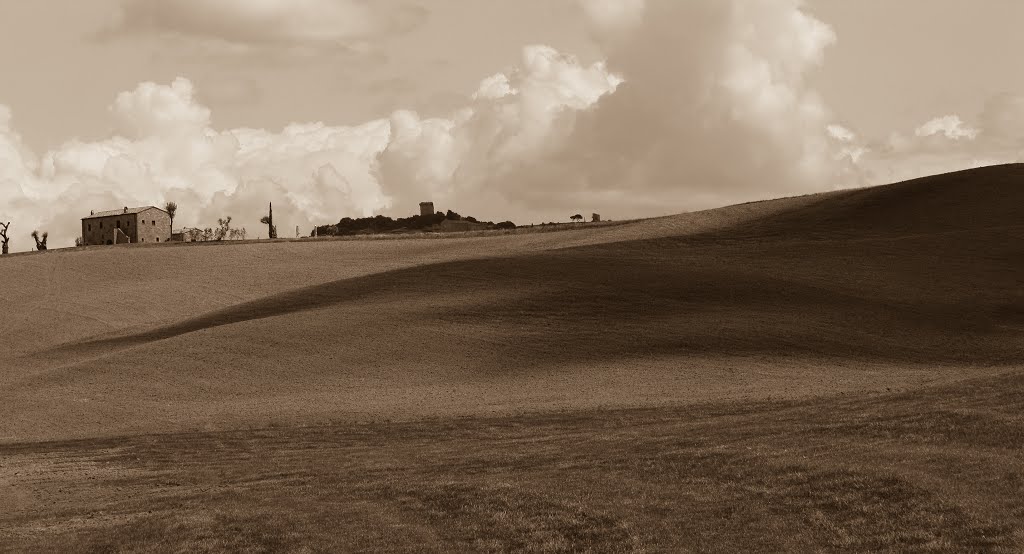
<point x="127" y="225"/>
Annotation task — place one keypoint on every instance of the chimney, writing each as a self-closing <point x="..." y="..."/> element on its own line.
<point x="126" y="209"/>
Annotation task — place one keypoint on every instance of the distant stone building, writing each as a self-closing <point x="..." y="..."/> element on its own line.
<point x="131" y="225"/>
<point x="595" y="217"/>
<point x="426" y="209"/>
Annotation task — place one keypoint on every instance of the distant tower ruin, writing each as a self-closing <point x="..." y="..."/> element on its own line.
<point x="595" y="217"/>
<point x="426" y="209"/>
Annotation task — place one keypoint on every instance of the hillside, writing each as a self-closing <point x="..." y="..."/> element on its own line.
<point x="872" y="289"/>
<point x="834" y="372"/>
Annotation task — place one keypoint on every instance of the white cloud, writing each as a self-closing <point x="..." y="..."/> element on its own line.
<point x="946" y="143"/>
<point x="698" y="104"/>
<point x="949" y="126"/>
<point x="240" y="25"/>
<point x="167" y="150"/>
<point x="840" y="133"/>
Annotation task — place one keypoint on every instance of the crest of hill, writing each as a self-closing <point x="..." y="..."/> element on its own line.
<point x="973" y="199"/>
<point x="921" y="279"/>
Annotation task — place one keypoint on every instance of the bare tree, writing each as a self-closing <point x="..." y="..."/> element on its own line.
<point x="3" y="236"/>
<point x="268" y="220"/>
<point x="171" y="208"/>
<point x="40" y="241"/>
<point x="223" y="229"/>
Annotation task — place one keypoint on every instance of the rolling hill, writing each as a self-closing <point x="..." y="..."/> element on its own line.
<point x="870" y="289"/>
<point x="834" y="372"/>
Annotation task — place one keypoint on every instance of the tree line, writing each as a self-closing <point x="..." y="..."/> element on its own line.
<point x="385" y="224"/>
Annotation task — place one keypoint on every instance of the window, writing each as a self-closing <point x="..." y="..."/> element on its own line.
<point x="154" y="223"/>
<point x="101" y="225"/>
<point x="143" y="240"/>
<point x="158" y="239"/>
<point x="118" y="223"/>
<point x="90" y="226"/>
<point x="143" y="221"/>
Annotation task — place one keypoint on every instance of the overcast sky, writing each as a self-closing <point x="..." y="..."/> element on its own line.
<point x="528" y="110"/>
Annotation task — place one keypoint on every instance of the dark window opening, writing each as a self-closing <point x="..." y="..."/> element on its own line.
<point x="158" y="239"/>
<point x="143" y="240"/>
<point x="154" y="222"/>
<point x="118" y="223"/>
<point x="143" y="221"/>
<point x="90" y="226"/>
<point x="101" y="225"/>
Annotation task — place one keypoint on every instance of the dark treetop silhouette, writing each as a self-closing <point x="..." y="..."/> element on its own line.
<point x="4" y="238"/>
<point x="40" y="241"/>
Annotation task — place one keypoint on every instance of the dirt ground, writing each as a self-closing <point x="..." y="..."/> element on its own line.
<point x="906" y="293"/>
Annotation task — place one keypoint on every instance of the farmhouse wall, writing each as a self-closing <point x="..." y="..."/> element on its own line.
<point x="154" y="226"/>
<point x="102" y="230"/>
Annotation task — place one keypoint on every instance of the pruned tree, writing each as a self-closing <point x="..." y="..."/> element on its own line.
<point x="40" y="239"/>
<point x="268" y="220"/>
<point x="79" y="241"/>
<point x="577" y="217"/>
<point x="3" y="236"/>
<point x="223" y="229"/>
<point x="171" y="208"/>
<point x="207" y="234"/>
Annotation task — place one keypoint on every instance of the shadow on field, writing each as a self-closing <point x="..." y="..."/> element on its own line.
<point x="891" y="273"/>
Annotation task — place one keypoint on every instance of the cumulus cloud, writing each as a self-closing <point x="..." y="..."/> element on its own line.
<point x="946" y="143"/>
<point x="246" y="24"/>
<point x="696" y="104"/>
<point x="166" y="149"/>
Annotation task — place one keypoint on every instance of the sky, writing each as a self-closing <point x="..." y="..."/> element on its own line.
<point x="529" y="110"/>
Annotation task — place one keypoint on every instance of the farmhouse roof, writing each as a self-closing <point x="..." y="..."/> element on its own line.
<point x="122" y="211"/>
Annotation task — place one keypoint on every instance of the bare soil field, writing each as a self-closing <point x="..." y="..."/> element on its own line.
<point x="839" y="371"/>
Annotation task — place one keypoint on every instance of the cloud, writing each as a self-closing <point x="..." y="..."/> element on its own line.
<point x="166" y="149"/>
<point x="697" y="104"/>
<point x="242" y="25"/>
<point x="945" y="143"/>
<point x="949" y="126"/>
